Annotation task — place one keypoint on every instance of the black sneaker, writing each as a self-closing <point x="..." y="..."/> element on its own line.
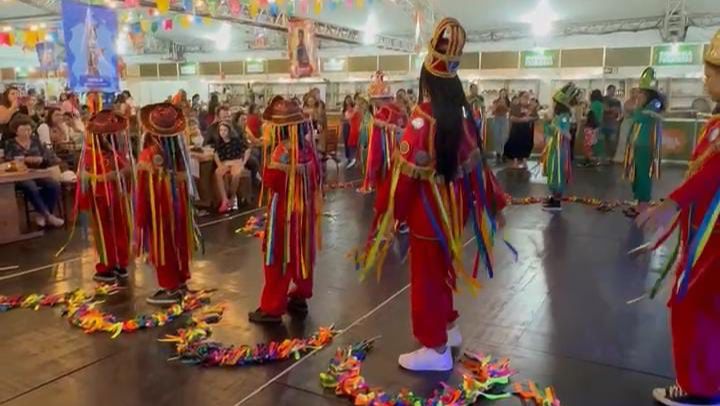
<point x="675" y="396"/>
<point x="121" y="273"/>
<point x="259" y="316"/>
<point x="165" y="297"/>
<point x="106" y="277"/>
<point x="552" y="204"/>
<point x="297" y="306"/>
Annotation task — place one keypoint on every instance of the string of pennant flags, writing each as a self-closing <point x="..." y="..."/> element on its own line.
<point x="136" y="19"/>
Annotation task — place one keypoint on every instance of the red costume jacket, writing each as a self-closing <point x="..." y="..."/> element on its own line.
<point x="104" y="192"/>
<point x="166" y="230"/>
<point x="388" y="122"/>
<point x="292" y="229"/>
<point x="433" y="208"/>
<point x="697" y="197"/>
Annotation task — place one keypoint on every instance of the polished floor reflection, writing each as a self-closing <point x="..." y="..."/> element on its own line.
<point x="559" y="313"/>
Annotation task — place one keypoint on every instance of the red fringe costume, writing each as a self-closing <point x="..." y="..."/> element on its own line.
<point x="292" y="191"/>
<point x="694" y="310"/>
<point x="436" y="213"/>
<point x="388" y="121"/>
<point x="104" y="191"/>
<point x="165" y="220"/>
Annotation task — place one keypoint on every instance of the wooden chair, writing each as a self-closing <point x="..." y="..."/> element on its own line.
<point x="329" y="150"/>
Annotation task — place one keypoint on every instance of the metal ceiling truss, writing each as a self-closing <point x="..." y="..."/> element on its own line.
<point x="601" y="28"/>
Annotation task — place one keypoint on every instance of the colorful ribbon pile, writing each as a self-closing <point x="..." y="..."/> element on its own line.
<point x="192" y="346"/>
<point x="485" y="378"/>
<point x="254" y="227"/>
<point x="90" y="319"/>
<point x="601" y="205"/>
<point x="81" y="309"/>
<point x="35" y="301"/>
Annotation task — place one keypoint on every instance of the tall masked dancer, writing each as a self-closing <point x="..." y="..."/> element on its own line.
<point x="166" y="229"/>
<point x="438" y="182"/>
<point x="693" y="208"/>
<point x="104" y="193"/>
<point x="388" y="121"/>
<point x="292" y="190"/>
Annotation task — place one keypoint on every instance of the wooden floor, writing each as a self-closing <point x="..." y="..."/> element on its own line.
<point x="559" y="313"/>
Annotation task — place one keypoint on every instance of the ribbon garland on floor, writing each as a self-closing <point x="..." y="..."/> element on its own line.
<point x="193" y="346"/>
<point x="81" y="309"/>
<point x="35" y="301"/>
<point x="485" y="378"/>
<point x="254" y="227"/>
<point x="90" y="319"/>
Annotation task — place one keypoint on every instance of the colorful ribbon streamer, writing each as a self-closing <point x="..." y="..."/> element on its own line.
<point x="483" y="378"/>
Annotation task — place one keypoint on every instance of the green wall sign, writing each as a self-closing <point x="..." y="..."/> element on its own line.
<point x="188" y="69"/>
<point x="255" y="66"/>
<point x="540" y="59"/>
<point x="677" y="54"/>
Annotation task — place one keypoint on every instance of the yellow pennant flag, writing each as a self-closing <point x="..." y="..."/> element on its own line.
<point x="254" y="8"/>
<point x="31" y="39"/>
<point x="145" y="26"/>
<point x="280" y="3"/>
<point x="163" y="6"/>
<point x="360" y="3"/>
<point x="317" y="8"/>
<point x="207" y="21"/>
<point x="185" y="21"/>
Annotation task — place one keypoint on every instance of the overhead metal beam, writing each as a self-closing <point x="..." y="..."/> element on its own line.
<point x="592" y="28"/>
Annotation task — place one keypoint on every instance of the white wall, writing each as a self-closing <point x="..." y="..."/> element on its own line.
<point x="154" y="91"/>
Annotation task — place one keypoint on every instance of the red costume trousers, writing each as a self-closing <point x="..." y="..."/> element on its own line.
<point x="695" y="326"/>
<point x="275" y="292"/>
<point x="432" y="308"/>
<point x="114" y="232"/>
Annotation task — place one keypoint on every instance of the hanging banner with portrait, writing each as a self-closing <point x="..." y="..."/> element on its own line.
<point x="48" y="56"/>
<point x="90" y="38"/>
<point x="302" y="48"/>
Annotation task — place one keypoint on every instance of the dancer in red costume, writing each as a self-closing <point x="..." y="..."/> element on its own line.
<point x="104" y="193"/>
<point x="694" y="312"/>
<point x="165" y="218"/>
<point x="388" y="121"/>
<point x="291" y="182"/>
<point x="438" y="181"/>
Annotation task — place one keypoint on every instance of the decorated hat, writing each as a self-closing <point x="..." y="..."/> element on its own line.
<point x="568" y="95"/>
<point x="378" y="89"/>
<point x="648" y="81"/>
<point x="163" y="119"/>
<point x="282" y="112"/>
<point x="713" y="53"/>
<point x="445" y="49"/>
<point x="107" y="122"/>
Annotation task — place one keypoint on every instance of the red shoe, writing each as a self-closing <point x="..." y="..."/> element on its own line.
<point x="224" y="207"/>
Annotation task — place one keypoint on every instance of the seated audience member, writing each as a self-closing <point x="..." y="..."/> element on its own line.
<point x="230" y="161"/>
<point x="222" y="115"/>
<point x="195" y="137"/>
<point x="42" y="193"/>
<point x="38" y="113"/>
<point x="253" y="154"/>
<point x="54" y="128"/>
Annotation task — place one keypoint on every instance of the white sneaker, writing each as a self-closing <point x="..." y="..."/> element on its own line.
<point x="454" y="337"/>
<point x="40" y="221"/>
<point x="427" y="359"/>
<point x="674" y="396"/>
<point x="351" y="163"/>
<point x="55" y="221"/>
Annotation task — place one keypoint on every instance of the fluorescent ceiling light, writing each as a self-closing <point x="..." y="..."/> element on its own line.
<point x="541" y="19"/>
